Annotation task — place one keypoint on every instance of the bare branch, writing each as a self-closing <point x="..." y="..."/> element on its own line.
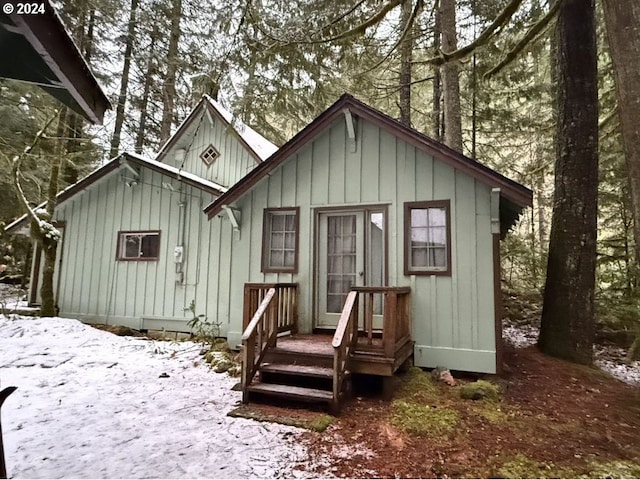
<point x="529" y="36"/>
<point x="501" y="20"/>
<point x="403" y="35"/>
<point x="16" y="162"/>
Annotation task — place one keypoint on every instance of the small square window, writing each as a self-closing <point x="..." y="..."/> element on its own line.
<point x="140" y="246"/>
<point x="209" y="155"/>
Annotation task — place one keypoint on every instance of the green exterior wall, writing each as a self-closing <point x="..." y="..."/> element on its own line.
<point x="453" y="316"/>
<point x="233" y="163"/>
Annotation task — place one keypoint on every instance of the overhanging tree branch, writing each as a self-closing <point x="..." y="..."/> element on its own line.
<point x="529" y="36"/>
<point x="16" y="163"/>
<point x="501" y="20"/>
<point x="403" y="35"/>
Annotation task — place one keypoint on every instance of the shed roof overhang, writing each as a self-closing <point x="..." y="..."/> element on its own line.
<point x="514" y="196"/>
<point x="37" y="49"/>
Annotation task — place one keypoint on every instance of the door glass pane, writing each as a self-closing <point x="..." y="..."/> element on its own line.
<point x="341" y="260"/>
<point x="375" y="274"/>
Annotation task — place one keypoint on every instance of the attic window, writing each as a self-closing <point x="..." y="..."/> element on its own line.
<point x="209" y="155"/>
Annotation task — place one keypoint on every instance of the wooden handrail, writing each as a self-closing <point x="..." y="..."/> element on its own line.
<point x="344" y="341"/>
<point x="396" y="323"/>
<point x="287" y="303"/>
<point x="261" y="333"/>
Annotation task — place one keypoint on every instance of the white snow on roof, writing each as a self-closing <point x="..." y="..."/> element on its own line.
<point x="90" y="404"/>
<point x="174" y="171"/>
<point x="260" y="145"/>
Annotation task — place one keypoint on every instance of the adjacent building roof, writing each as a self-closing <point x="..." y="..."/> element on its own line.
<point x="514" y="196"/>
<point x="258" y="146"/>
<point x="125" y="160"/>
<point x="37" y="49"/>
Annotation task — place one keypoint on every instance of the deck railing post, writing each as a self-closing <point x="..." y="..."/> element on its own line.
<point x="390" y="319"/>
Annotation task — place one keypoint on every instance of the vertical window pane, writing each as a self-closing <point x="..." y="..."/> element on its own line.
<point x="281" y="240"/>
<point x="428" y="240"/>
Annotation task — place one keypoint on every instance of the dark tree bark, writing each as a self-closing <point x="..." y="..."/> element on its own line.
<point x="567" y="328"/>
<point x="124" y="82"/>
<point x="148" y="82"/>
<point x="406" y="53"/>
<point x="437" y="78"/>
<point x="623" y="31"/>
<point x="169" y="87"/>
<point x="450" y="77"/>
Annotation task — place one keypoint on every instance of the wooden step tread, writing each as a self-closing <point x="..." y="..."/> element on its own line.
<point x="288" y="391"/>
<point x="292" y="369"/>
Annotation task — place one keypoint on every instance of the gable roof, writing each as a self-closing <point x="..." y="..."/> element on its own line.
<point x="37" y="49"/>
<point x="514" y="193"/>
<point x="114" y="165"/>
<point x="259" y="147"/>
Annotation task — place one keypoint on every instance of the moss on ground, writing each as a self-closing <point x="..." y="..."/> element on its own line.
<point x="317" y="422"/>
<point x="423" y="419"/>
<point x="615" y="469"/>
<point x="480" y="390"/>
<point x="523" y="467"/>
<point x="494" y="413"/>
<point x="418" y="386"/>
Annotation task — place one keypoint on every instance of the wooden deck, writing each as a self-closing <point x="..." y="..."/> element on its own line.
<point x="318" y="367"/>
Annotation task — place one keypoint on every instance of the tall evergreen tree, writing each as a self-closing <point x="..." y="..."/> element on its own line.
<point x="568" y="317"/>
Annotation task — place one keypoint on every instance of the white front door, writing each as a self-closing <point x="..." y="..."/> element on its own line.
<point x="350" y="253"/>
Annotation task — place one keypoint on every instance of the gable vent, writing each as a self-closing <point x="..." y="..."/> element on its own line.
<point x="209" y="155"/>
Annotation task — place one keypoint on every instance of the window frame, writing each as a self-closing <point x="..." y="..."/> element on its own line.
<point x="213" y="157"/>
<point x="120" y="254"/>
<point x="421" y="205"/>
<point x="266" y="239"/>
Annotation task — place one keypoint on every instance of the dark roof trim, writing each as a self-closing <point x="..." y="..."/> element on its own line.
<point x="194" y="116"/>
<point x="49" y="39"/>
<point x="115" y="164"/>
<point x="517" y="193"/>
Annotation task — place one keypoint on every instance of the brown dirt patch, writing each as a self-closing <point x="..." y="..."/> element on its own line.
<point x="561" y="418"/>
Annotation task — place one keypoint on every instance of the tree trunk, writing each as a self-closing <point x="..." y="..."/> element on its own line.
<point x="450" y="77"/>
<point x="124" y="82"/>
<point x="406" y="51"/>
<point x="169" y="88"/>
<point x="623" y="31"/>
<point x="148" y="81"/>
<point x="50" y="245"/>
<point x="437" y="79"/>
<point x="567" y="328"/>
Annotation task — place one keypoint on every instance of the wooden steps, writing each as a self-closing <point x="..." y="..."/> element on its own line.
<point x="292" y="392"/>
<point x="299" y="368"/>
<point x="290" y="369"/>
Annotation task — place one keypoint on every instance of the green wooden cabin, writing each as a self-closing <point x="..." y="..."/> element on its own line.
<point x="359" y="232"/>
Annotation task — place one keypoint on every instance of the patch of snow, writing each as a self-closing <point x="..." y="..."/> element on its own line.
<point x="521" y="336"/>
<point x="260" y="145"/>
<point x="609" y="358"/>
<point x="336" y="447"/>
<point x="94" y="405"/>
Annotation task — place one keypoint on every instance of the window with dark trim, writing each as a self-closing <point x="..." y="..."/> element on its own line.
<point x="138" y="246"/>
<point x="209" y="155"/>
<point x="280" y="240"/>
<point x="427" y="232"/>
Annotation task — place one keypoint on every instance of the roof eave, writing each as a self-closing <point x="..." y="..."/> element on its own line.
<point x="50" y="40"/>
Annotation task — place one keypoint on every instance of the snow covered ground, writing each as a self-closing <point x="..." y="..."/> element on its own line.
<point x="90" y="404"/>
<point x="608" y="358"/>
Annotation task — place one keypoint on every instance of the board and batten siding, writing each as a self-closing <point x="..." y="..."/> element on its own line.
<point x="97" y="288"/>
<point x="453" y="316"/>
<point x="233" y="163"/>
